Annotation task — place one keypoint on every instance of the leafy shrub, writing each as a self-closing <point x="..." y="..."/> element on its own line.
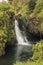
<point x="39" y="6"/>
<point x="40" y="14"/>
<point x="4" y="6"/>
<point x="6" y="24"/>
<point x="38" y="51"/>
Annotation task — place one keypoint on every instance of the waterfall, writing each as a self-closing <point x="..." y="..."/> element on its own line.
<point x="24" y="47"/>
<point x="21" y="40"/>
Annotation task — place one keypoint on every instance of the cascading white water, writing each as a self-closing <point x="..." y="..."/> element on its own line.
<point x="23" y="45"/>
<point x="19" y="36"/>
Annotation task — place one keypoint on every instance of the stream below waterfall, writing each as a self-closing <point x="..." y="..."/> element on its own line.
<point x="20" y="52"/>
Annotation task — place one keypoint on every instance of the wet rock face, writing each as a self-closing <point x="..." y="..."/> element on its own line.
<point x="32" y="25"/>
<point x="36" y="26"/>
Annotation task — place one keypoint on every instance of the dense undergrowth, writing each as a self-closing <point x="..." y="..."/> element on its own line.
<point x="30" y="15"/>
<point x="6" y="25"/>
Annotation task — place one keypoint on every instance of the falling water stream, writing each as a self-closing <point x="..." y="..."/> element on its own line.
<point x="21" y="52"/>
<point x="21" y="40"/>
<point x="23" y="45"/>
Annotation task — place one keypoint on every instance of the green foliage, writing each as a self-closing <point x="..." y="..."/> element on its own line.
<point x="40" y="14"/>
<point x="6" y="24"/>
<point x="3" y="30"/>
<point x="4" y="6"/>
<point x="20" y="7"/>
<point x="38" y="51"/>
<point x="24" y="10"/>
<point x="29" y="63"/>
<point x="39" y="6"/>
